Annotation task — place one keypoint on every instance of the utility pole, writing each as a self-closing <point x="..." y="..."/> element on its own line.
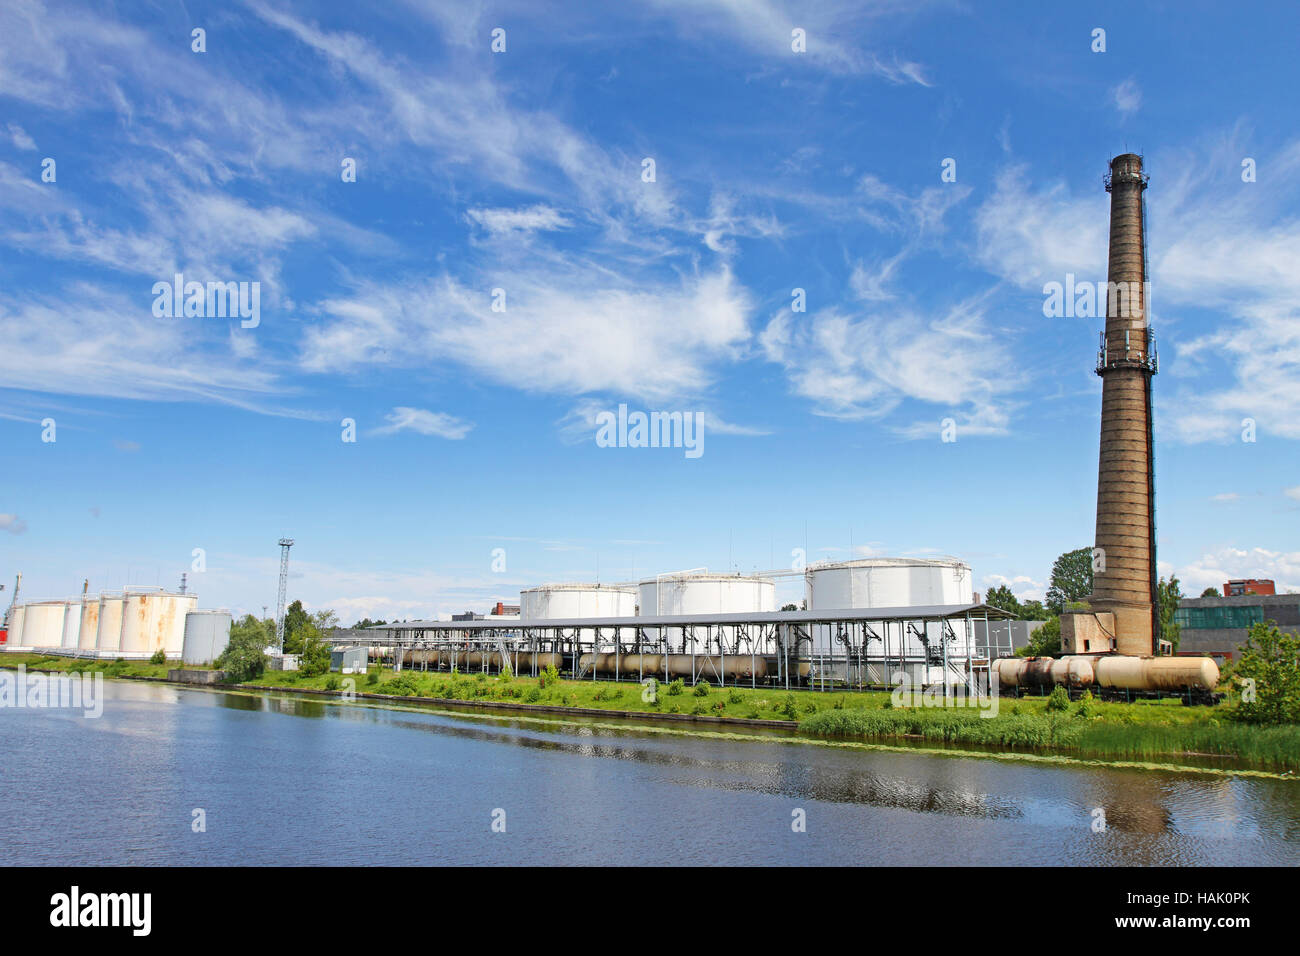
<point x="18" y="583"/>
<point x="285" y="545"/>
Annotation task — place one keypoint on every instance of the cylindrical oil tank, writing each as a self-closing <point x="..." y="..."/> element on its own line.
<point x="72" y="626"/>
<point x="89" y="630"/>
<point x="565" y="601"/>
<point x="1120" y="672"/>
<point x="703" y="593"/>
<point x="893" y="583"/>
<point x="154" y="620"/>
<point x="108" y="639"/>
<point x="888" y="582"/>
<point x="695" y="593"/>
<point x="207" y="633"/>
<point x="1073" y="671"/>
<point x="43" y="624"/>
<point x="1024" y="671"/>
<point x="16" y="619"/>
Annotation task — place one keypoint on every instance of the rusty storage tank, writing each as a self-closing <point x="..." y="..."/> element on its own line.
<point x="1157" y="673"/>
<point x="154" y="620"/>
<point x="1024" y="671"/>
<point x="89" y="630"/>
<point x="109" y="637"/>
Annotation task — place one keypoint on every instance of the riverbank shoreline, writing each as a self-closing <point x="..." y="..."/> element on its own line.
<point x="945" y="731"/>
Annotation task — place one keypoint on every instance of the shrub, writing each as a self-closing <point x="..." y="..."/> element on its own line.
<point x="1086" y="705"/>
<point x="159" y="657"/>
<point x="372" y="677"/>
<point x="404" y="684"/>
<point x="533" y="695"/>
<point x="243" y="659"/>
<point x="702" y="689"/>
<point x="333" y="683"/>
<point x="548" y="677"/>
<point x="1269" y="674"/>
<point x="1058" y="700"/>
<point x="789" y="707"/>
<point x="735" y="697"/>
<point x="315" y="659"/>
<point x="676" y="687"/>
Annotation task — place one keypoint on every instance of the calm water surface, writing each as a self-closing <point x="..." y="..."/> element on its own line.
<point x="289" y="781"/>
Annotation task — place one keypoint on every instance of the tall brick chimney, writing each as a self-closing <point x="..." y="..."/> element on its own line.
<point x="1124" y="576"/>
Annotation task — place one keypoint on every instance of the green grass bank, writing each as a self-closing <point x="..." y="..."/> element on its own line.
<point x="1158" y="732"/>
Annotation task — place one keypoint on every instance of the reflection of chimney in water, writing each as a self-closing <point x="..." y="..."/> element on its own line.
<point x="1124" y="580"/>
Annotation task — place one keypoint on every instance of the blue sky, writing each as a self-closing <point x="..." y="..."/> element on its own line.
<point x="523" y="170"/>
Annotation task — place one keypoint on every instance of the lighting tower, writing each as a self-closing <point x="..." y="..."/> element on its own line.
<point x="285" y="545"/>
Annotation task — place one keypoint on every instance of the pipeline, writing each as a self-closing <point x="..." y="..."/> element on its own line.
<point x="1109" y="672"/>
<point x="689" y="667"/>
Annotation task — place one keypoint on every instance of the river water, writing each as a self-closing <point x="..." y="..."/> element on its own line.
<point x="297" y="781"/>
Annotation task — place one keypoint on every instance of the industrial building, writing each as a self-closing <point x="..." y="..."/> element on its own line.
<point x="724" y="628"/>
<point x="1217" y="626"/>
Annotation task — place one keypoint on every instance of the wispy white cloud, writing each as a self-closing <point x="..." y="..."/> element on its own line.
<point x="18" y="136"/>
<point x="513" y="221"/>
<point x="1127" y="97"/>
<point x="13" y="524"/>
<point x="572" y="332"/>
<point x="864" y="365"/>
<point x="424" y="422"/>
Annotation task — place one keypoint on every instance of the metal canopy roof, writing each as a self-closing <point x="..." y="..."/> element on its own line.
<point x="914" y="613"/>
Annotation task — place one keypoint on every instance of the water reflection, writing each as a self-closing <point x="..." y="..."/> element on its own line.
<point x="577" y="792"/>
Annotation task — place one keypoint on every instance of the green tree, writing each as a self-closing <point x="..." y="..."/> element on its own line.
<point x="325" y="620"/>
<point x="789" y="607"/>
<point x="1034" y="611"/>
<point x="1211" y="592"/>
<point x="1045" y="641"/>
<point x="1268" y="673"/>
<point x="315" y="652"/>
<point x="1169" y="594"/>
<point x="1001" y="597"/>
<point x="244" y="657"/>
<point x="295" y="619"/>
<point x="1071" y="579"/>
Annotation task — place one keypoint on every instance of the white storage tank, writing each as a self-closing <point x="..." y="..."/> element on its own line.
<point x="154" y="620"/>
<point x="561" y="601"/>
<point x="207" y="633"/>
<point x="43" y="625"/>
<point x="888" y="582"/>
<point x="15" y="638"/>
<point x="705" y="593"/>
<point x="72" y="626"/>
<point x="894" y="583"/>
<point x="108" y="638"/>
<point x="89" y="630"/>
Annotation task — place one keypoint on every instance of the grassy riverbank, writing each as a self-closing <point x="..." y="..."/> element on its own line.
<point x="1161" y="731"/>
